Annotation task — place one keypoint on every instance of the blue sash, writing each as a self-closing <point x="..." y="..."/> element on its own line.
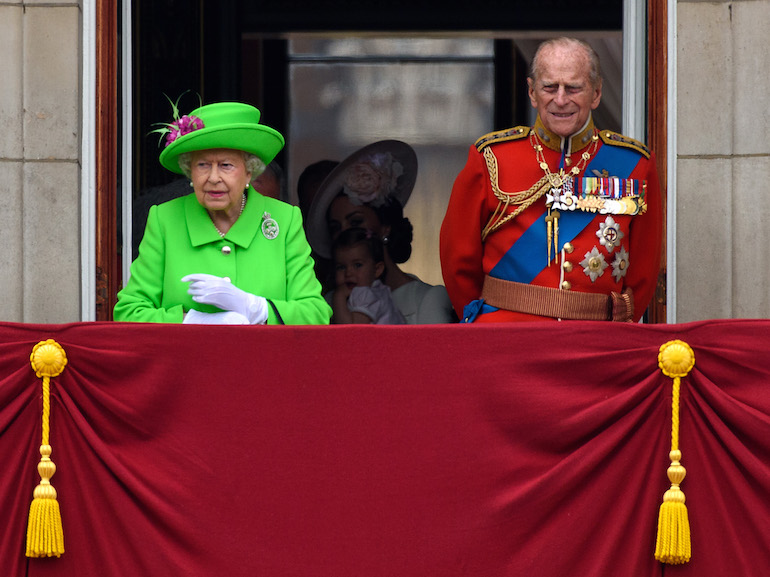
<point x="528" y="255"/>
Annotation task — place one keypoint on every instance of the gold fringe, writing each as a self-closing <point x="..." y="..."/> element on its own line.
<point x="673" y="544"/>
<point x="45" y="535"/>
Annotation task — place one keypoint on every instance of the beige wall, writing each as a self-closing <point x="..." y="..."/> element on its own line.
<point x="40" y="99"/>
<point x="723" y="160"/>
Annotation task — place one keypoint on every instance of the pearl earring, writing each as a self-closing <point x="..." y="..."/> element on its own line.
<point x="385" y="240"/>
<point x="191" y="184"/>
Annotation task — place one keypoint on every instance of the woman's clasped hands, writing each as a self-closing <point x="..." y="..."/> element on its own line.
<point x="238" y="306"/>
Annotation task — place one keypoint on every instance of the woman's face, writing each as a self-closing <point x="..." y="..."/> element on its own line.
<point x="219" y="178"/>
<point x="343" y="215"/>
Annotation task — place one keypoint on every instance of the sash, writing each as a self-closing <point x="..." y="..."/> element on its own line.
<point x="524" y="260"/>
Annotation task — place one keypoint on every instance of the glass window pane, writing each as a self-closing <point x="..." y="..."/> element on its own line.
<point x="422" y="103"/>
<point x="364" y="47"/>
<point x="440" y="108"/>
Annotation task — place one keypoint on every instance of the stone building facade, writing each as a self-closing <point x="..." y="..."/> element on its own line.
<point x="40" y="160"/>
<point x="722" y="231"/>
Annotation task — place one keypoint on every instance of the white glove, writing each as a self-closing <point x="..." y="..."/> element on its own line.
<point x="220" y="292"/>
<point x="194" y="317"/>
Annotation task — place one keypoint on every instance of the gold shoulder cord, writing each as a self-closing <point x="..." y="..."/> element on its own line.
<point x="520" y="199"/>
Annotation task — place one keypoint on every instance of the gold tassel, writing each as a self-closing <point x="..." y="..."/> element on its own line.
<point x="673" y="546"/>
<point x="45" y="535"/>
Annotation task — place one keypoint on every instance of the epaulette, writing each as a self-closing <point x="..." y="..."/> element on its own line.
<point x="617" y="139"/>
<point x="514" y="133"/>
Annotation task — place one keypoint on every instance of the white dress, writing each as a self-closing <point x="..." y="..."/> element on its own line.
<point x="424" y="304"/>
<point x="376" y="303"/>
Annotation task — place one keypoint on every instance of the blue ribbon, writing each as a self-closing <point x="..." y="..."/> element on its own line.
<point x="524" y="260"/>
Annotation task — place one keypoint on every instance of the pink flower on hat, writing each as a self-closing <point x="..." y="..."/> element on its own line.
<point x="371" y="181"/>
<point x="184" y="125"/>
<point x="177" y="127"/>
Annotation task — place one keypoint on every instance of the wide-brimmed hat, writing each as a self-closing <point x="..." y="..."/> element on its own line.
<point x="231" y="125"/>
<point x="377" y="174"/>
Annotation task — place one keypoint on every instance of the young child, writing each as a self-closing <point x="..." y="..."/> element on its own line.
<point x="360" y="297"/>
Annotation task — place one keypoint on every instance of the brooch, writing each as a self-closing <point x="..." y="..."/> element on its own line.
<point x="620" y="264"/>
<point x="269" y="226"/>
<point x="609" y="234"/>
<point x="594" y="264"/>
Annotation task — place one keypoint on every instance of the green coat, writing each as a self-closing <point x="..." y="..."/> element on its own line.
<point x="180" y="239"/>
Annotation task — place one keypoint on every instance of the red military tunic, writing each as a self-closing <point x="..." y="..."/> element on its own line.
<point x="597" y="244"/>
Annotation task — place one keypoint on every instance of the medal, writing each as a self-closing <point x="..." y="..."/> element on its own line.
<point x="594" y="264"/>
<point x="620" y="264"/>
<point x="611" y="195"/>
<point x="269" y="226"/>
<point x="609" y="234"/>
<point x="561" y="192"/>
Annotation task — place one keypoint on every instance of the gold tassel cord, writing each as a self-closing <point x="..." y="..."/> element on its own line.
<point x="522" y="200"/>
<point x="45" y="535"/>
<point x="676" y="359"/>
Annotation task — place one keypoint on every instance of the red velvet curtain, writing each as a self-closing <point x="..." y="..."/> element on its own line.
<point x="531" y="449"/>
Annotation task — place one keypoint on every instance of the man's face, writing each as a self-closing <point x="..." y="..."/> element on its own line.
<point x="563" y="94"/>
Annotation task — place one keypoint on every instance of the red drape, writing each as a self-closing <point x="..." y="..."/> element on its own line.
<point x="510" y="450"/>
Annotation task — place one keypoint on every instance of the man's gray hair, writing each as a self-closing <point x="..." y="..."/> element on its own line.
<point x="595" y="73"/>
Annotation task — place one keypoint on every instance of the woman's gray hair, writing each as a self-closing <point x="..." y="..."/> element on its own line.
<point x="254" y="164"/>
<point x="595" y="72"/>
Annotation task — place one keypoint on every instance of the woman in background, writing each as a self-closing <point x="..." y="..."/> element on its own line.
<point x="369" y="190"/>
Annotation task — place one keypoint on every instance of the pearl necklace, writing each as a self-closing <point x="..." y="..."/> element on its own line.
<point x="240" y="212"/>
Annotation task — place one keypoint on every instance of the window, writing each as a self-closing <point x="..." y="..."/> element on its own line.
<point x="436" y="94"/>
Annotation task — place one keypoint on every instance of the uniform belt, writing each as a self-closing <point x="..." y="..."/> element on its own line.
<point x="558" y="304"/>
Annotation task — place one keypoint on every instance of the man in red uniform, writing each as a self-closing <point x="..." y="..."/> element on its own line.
<point x="556" y="221"/>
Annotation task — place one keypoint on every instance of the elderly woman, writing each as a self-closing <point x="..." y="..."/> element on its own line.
<point x="369" y="190"/>
<point x="224" y="254"/>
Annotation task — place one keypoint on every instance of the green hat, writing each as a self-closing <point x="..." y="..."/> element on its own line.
<point x="231" y="125"/>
